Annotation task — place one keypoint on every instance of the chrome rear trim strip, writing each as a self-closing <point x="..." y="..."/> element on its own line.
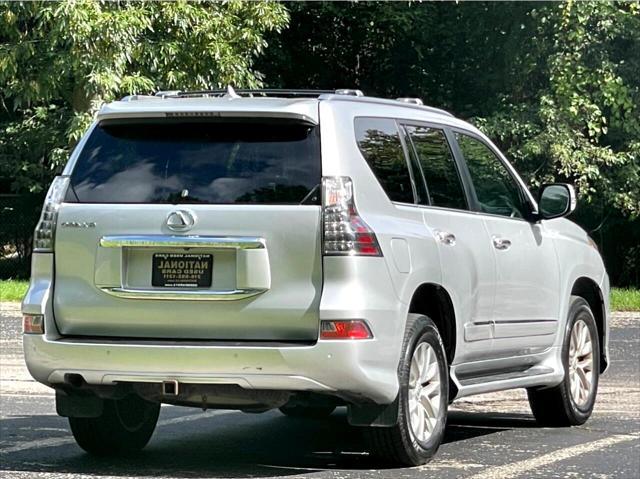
<point x="172" y="294"/>
<point x="162" y="241"/>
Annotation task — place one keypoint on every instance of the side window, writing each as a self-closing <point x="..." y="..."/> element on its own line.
<point x="438" y="166"/>
<point x="496" y="189"/>
<point x="379" y="143"/>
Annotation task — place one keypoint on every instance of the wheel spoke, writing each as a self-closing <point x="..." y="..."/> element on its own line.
<point x="586" y="349"/>
<point x="414" y="374"/>
<point x="420" y="421"/>
<point x="585" y="336"/>
<point x="432" y="371"/>
<point x="585" y="380"/>
<point x="431" y="404"/>
<point x="585" y="364"/>
<point x="431" y="390"/>
<point x="427" y="423"/>
<point x="575" y="387"/>
<point x="424" y="372"/>
<point x="574" y="344"/>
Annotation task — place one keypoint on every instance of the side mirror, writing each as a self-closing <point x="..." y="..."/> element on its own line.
<point x="556" y="200"/>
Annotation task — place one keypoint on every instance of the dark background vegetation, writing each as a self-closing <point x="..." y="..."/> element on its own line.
<point x="556" y="85"/>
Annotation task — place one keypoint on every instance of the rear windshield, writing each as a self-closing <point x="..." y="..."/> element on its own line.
<point x="196" y="161"/>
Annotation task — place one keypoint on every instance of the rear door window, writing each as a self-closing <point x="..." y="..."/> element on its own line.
<point x="379" y="143"/>
<point x="199" y="161"/>
<point x="439" y="167"/>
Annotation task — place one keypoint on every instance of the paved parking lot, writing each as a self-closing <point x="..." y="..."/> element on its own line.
<point x="492" y="436"/>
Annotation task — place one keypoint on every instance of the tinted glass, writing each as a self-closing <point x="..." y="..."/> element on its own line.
<point x="419" y="185"/>
<point x="496" y="189"/>
<point x="379" y="142"/>
<point x="438" y="165"/>
<point x="191" y="161"/>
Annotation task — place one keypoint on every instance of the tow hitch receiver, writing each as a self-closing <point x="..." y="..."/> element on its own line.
<point x="170" y="387"/>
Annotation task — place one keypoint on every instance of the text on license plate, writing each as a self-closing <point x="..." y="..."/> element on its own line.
<point x="182" y="270"/>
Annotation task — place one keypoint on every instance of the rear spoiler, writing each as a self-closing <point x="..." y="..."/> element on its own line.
<point x="229" y="114"/>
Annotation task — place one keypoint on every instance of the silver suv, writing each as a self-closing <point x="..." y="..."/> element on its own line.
<point x="305" y="250"/>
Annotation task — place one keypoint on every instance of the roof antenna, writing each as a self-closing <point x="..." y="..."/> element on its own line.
<point x="231" y="93"/>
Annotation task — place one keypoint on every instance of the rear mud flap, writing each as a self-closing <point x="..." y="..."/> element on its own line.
<point x="376" y="415"/>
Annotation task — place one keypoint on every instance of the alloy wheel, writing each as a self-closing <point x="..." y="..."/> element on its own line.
<point x="581" y="363"/>
<point x="424" y="392"/>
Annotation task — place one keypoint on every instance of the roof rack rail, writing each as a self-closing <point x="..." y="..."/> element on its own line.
<point x="256" y="92"/>
<point x="167" y="93"/>
<point x="347" y="94"/>
<point x="412" y="100"/>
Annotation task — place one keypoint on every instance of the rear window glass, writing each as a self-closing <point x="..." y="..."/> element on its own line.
<point x="196" y="161"/>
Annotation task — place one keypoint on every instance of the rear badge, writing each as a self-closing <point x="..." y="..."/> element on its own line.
<point x="181" y="220"/>
<point x="78" y="224"/>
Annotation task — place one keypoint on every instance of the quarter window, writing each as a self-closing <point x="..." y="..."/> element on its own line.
<point x="379" y="143"/>
<point x="438" y="166"/>
<point x="496" y="189"/>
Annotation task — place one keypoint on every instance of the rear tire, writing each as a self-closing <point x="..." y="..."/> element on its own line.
<point x="423" y="399"/>
<point x="309" y="412"/>
<point x="125" y="426"/>
<point x="571" y="402"/>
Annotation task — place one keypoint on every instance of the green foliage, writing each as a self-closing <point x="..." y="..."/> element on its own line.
<point x="556" y="85"/>
<point x="12" y="290"/>
<point x="625" y="299"/>
<point x="60" y="61"/>
<point x="583" y="125"/>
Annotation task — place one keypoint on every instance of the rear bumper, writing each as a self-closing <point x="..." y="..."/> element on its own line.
<point x="354" y="369"/>
<point x="344" y="368"/>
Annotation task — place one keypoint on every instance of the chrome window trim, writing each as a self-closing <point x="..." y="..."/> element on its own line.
<point x="173" y="294"/>
<point x="470" y="212"/>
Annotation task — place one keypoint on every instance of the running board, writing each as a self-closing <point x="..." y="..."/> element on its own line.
<point x="505" y="376"/>
<point x="533" y="376"/>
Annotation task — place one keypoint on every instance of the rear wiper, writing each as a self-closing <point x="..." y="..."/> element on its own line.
<point x="310" y="195"/>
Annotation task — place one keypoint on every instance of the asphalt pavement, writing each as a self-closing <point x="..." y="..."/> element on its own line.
<point x="493" y="436"/>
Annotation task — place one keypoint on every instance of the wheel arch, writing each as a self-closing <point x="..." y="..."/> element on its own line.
<point x="434" y="301"/>
<point x="589" y="290"/>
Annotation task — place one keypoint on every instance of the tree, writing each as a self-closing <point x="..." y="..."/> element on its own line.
<point x="556" y="85"/>
<point x="60" y="61"/>
<point x="583" y="124"/>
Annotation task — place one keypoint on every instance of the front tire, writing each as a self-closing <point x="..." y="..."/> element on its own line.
<point x="571" y="402"/>
<point x="423" y="399"/>
<point x="125" y="426"/>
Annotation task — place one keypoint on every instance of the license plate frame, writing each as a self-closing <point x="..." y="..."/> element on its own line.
<point x="182" y="270"/>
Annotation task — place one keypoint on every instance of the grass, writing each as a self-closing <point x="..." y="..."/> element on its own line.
<point x="12" y="289"/>
<point x="622" y="299"/>
<point x="625" y="299"/>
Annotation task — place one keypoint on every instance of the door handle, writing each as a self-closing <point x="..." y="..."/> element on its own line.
<point x="445" y="237"/>
<point x="501" y="243"/>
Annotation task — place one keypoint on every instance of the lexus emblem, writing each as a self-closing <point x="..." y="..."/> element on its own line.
<point x="181" y="220"/>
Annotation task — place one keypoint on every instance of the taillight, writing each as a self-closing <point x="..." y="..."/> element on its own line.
<point x="345" y="329"/>
<point x="345" y="233"/>
<point x="43" y="236"/>
<point x="33" y="324"/>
